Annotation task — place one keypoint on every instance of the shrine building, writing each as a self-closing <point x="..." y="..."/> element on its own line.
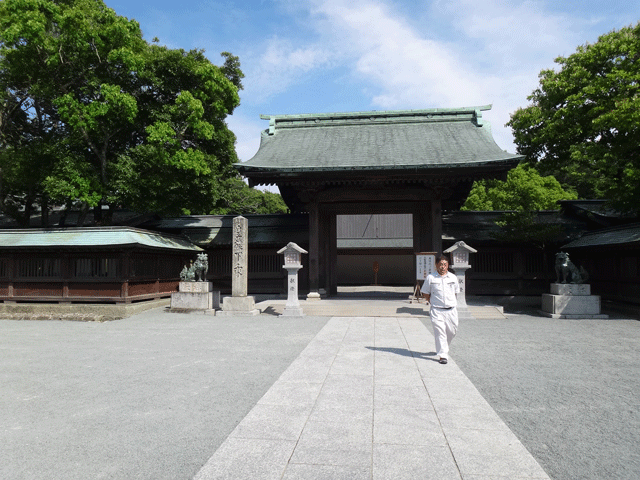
<point x="417" y="162"/>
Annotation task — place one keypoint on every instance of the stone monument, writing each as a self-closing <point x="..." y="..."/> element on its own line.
<point x="292" y="263"/>
<point x="570" y="296"/>
<point x="239" y="303"/>
<point x="460" y="264"/>
<point x="195" y="296"/>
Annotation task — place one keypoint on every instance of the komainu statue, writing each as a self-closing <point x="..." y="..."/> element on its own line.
<point x="188" y="274"/>
<point x="567" y="272"/>
<point x="197" y="271"/>
<point x="201" y="267"/>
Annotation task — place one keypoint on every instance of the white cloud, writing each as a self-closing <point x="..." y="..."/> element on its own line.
<point x="247" y="131"/>
<point x="514" y="41"/>
<point x="452" y="53"/>
<point x="493" y="54"/>
<point x="512" y="34"/>
<point x="279" y="65"/>
<point x="406" y="67"/>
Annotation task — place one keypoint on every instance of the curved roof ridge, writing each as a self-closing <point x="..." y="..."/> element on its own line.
<point x="374" y="117"/>
<point x="388" y="113"/>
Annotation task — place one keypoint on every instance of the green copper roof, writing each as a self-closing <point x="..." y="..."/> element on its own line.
<point x="217" y="230"/>
<point x="623" y="235"/>
<point x="397" y="140"/>
<point x="92" y="237"/>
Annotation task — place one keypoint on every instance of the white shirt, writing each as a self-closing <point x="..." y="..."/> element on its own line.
<point x="442" y="289"/>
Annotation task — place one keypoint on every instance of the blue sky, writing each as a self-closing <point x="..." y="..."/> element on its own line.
<point x="309" y="56"/>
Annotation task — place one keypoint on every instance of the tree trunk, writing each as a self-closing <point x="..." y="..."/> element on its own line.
<point x="24" y="220"/>
<point x="84" y="209"/>
<point x="107" y="216"/>
<point x="44" y="212"/>
<point x="97" y="214"/>
<point x="64" y="214"/>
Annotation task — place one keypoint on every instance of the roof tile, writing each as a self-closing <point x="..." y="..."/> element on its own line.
<point x="377" y="140"/>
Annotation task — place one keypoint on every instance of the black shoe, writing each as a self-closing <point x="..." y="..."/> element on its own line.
<point x="443" y="361"/>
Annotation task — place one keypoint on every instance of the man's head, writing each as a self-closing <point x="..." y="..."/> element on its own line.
<point x="442" y="264"/>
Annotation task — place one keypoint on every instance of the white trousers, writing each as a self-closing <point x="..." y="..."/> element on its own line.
<point x="445" y="327"/>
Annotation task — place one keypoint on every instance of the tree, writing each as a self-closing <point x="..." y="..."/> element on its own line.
<point x="186" y="148"/>
<point x="21" y="174"/>
<point x="524" y="190"/>
<point x="91" y="112"/>
<point x="583" y="123"/>
<point x="521" y="196"/>
<point x="240" y="199"/>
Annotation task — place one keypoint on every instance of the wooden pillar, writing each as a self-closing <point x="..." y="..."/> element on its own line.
<point x="124" y="274"/>
<point x="333" y="255"/>
<point x="436" y="225"/>
<point x="323" y="263"/>
<point x="328" y="252"/>
<point x="314" y="250"/>
<point x="67" y="271"/>
<point x="421" y="228"/>
<point x="12" y="273"/>
<point x="427" y="227"/>
<point x="329" y="255"/>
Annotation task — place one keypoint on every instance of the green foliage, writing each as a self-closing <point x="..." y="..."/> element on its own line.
<point x="126" y="123"/>
<point x="21" y="173"/>
<point x="231" y="69"/>
<point x="523" y="191"/>
<point x="583" y="123"/>
<point x="522" y="195"/>
<point x="240" y="199"/>
<point x="71" y="178"/>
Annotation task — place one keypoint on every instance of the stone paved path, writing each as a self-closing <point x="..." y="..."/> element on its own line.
<point x="367" y="399"/>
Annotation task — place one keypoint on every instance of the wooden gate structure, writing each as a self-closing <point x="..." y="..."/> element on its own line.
<point x="414" y="161"/>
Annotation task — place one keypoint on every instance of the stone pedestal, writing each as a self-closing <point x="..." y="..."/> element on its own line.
<point x="292" y="308"/>
<point x="292" y="263"/>
<point x="568" y="300"/>
<point x="460" y="255"/>
<point x="195" y="297"/>
<point x="313" y="296"/>
<point x="580" y="289"/>
<point x="238" y="306"/>
<point x="461" y="298"/>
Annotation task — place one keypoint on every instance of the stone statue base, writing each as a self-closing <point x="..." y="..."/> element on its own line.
<point x="313" y="296"/>
<point x="568" y="300"/>
<point x="238" y="306"/>
<point x="195" y="297"/>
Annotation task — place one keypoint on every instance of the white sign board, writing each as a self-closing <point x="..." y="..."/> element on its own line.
<point x="425" y="264"/>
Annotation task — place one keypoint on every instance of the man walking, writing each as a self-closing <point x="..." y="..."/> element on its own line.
<point x="440" y="290"/>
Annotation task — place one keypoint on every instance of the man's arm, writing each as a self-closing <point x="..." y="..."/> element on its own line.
<point x="426" y="284"/>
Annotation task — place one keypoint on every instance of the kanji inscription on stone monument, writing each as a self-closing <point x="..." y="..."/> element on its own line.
<point x="240" y="257"/>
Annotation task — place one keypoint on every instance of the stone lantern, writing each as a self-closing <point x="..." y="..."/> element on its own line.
<point x="292" y="263"/>
<point x="460" y="264"/>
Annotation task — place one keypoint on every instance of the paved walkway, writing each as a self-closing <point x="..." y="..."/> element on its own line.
<point x="365" y="400"/>
<point x="156" y="394"/>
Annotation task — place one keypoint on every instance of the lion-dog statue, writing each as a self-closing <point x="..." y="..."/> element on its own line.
<point x="567" y="272"/>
